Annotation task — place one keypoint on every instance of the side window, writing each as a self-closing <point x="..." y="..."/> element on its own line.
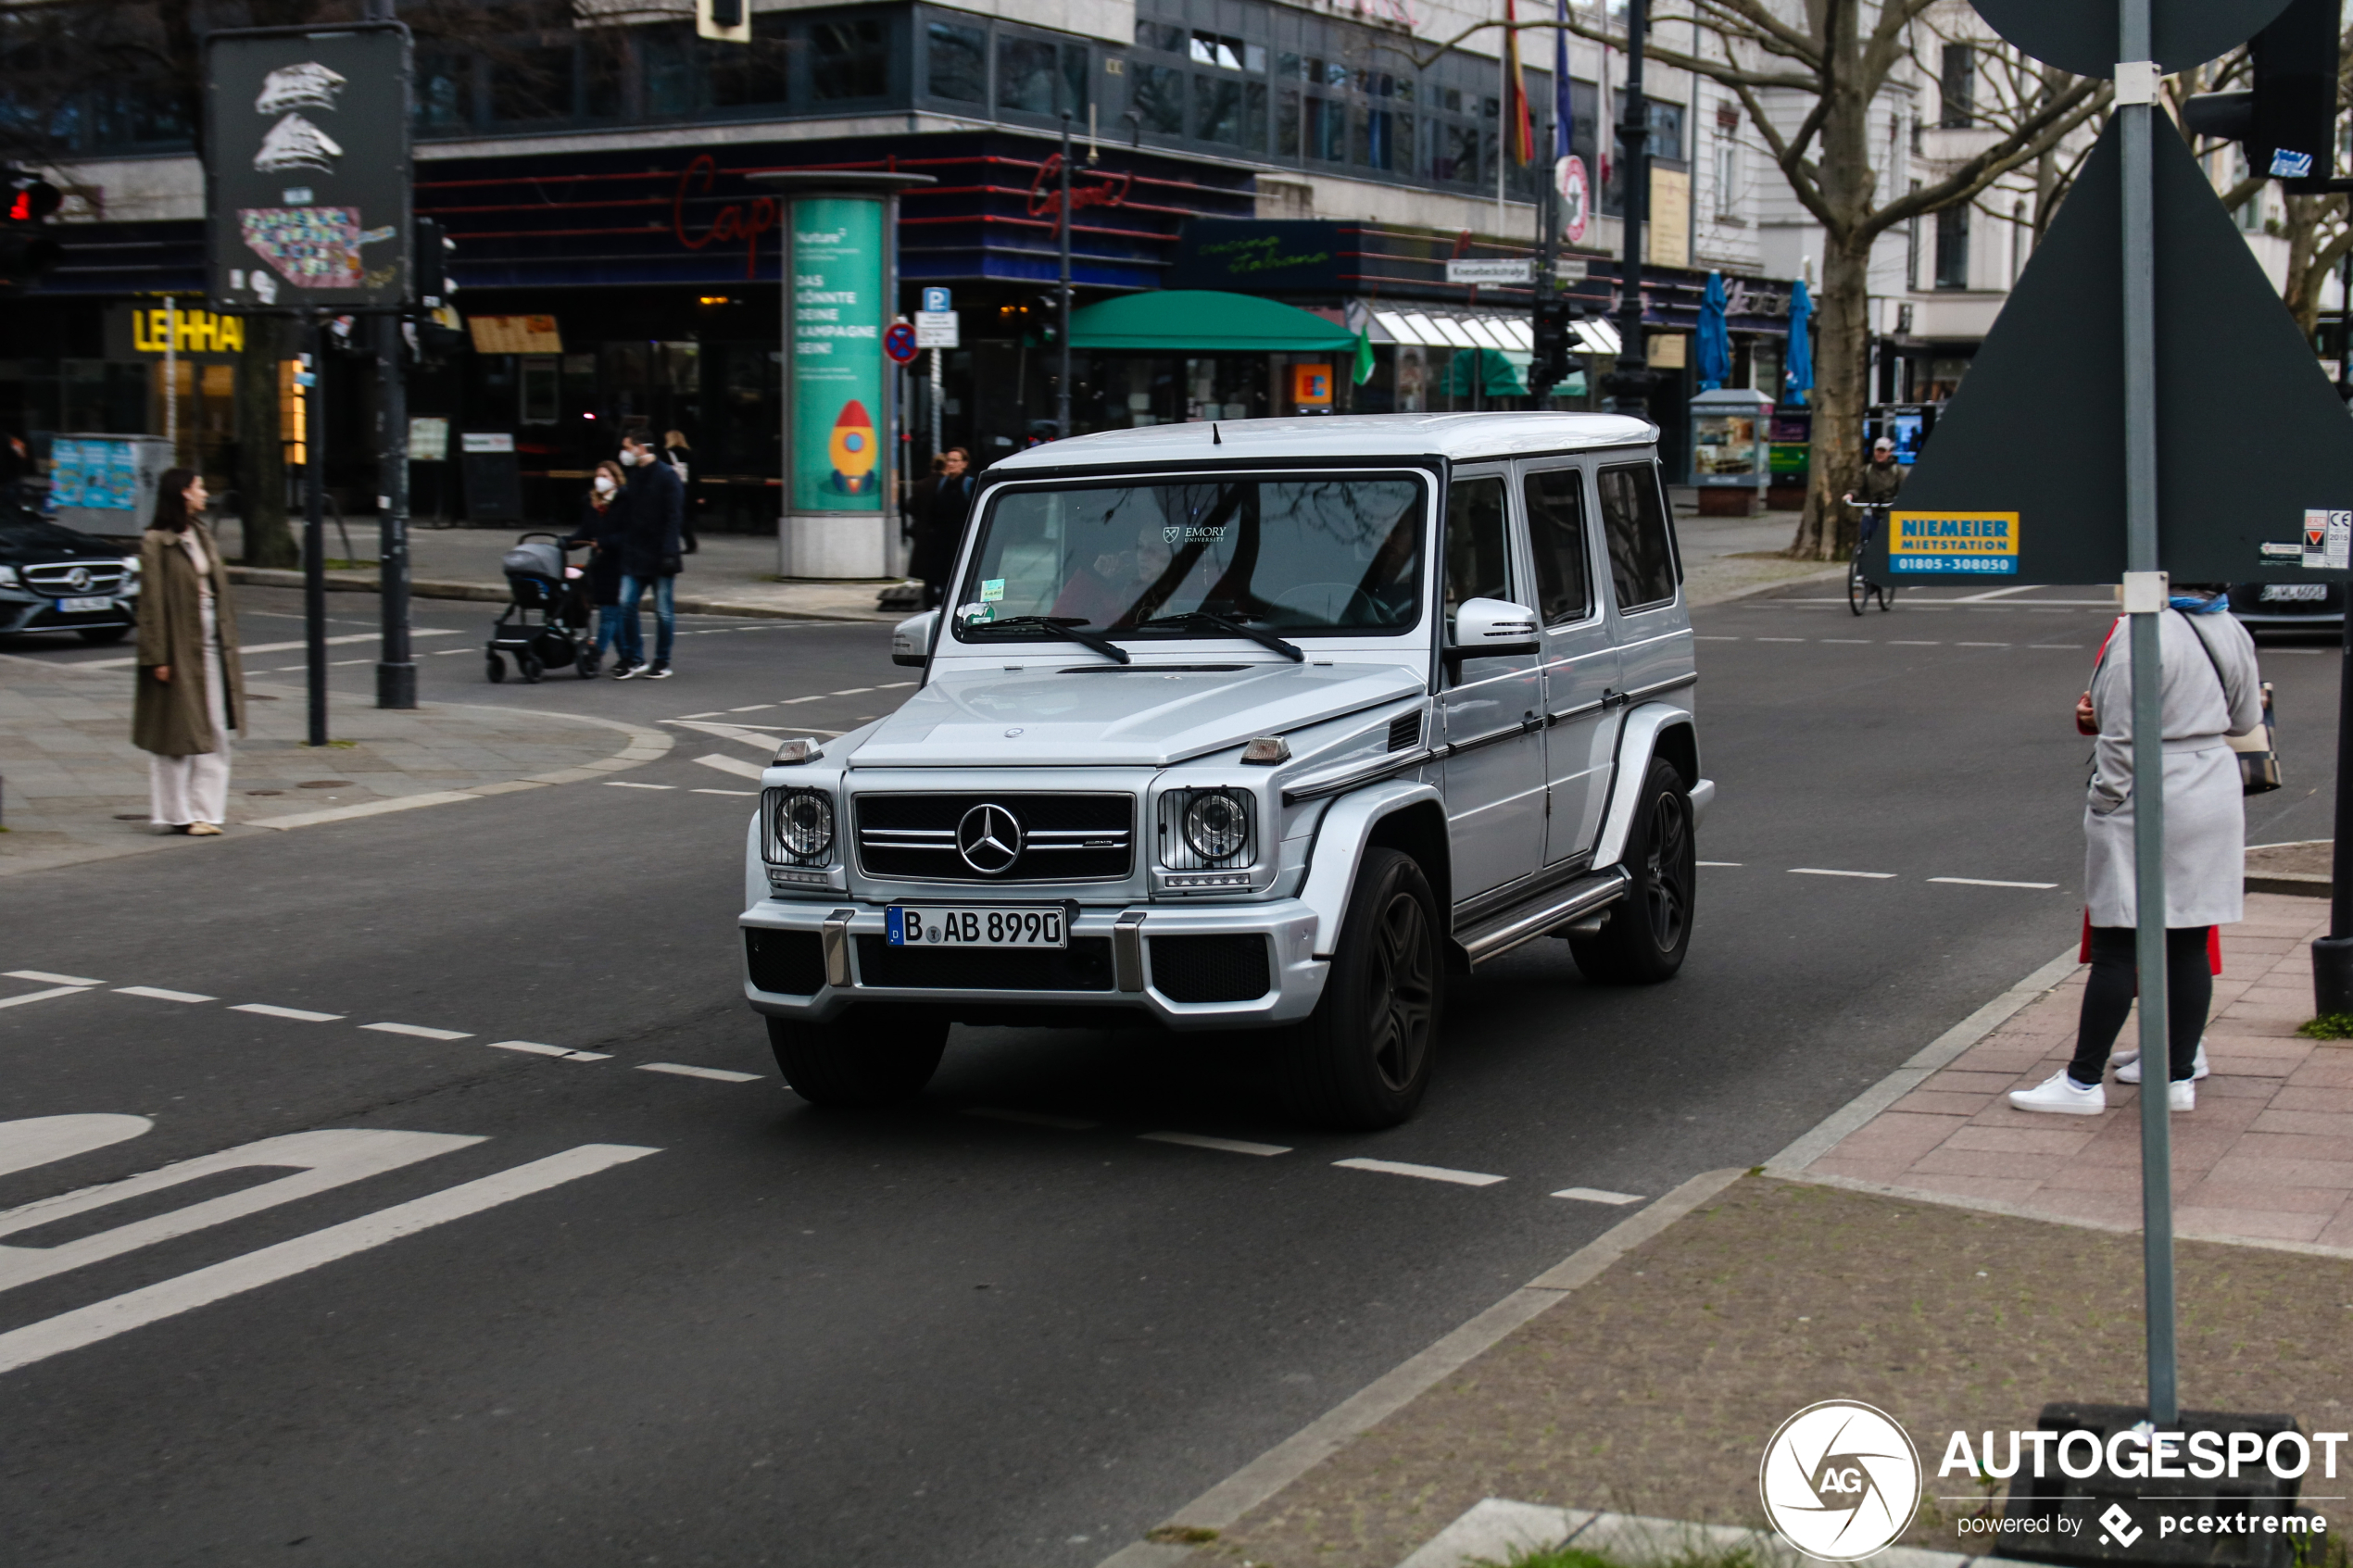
<point x="1556" y="533"/>
<point x="1478" y="544"/>
<point x="1642" y="560"/>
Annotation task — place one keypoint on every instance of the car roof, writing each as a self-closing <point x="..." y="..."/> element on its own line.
<point x="1458" y="437"/>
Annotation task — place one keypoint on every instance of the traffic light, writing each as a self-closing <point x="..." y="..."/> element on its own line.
<point x="1046" y="319"/>
<point x="430" y="248"/>
<point x="725" y="21"/>
<point x="2287" y="119"/>
<point x="1549" y="324"/>
<point x="26" y="253"/>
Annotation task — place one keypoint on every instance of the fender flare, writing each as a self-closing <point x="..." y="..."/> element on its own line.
<point x="1339" y="849"/>
<point x="1638" y="739"/>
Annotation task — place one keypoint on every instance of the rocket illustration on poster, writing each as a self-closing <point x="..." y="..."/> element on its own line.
<point x="853" y="450"/>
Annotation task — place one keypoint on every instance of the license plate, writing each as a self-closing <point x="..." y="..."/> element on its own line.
<point x="82" y="606"/>
<point x="2295" y="593"/>
<point x="974" y="927"/>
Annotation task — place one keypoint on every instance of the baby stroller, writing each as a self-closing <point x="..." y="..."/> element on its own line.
<point x="545" y="625"/>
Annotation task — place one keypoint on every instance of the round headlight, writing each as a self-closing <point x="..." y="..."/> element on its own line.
<point x="805" y="823"/>
<point x="1216" y="825"/>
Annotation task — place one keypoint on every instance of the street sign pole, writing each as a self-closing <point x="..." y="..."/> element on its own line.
<point x="1062" y="394"/>
<point x="396" y="663"/>
<point x="314" y="531"/>
<point x="1630" y="385"/>
<point x="2145" y="602"/>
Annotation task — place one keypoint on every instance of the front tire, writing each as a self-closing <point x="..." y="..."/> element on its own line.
<point x="859" y="1061"/>
<point x="1363" y="1059"/>
<point x="1858" y="587"/>
<point x="1650" y="929"/>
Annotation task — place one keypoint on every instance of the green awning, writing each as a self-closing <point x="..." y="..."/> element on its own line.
<point x="1205" y="321"/>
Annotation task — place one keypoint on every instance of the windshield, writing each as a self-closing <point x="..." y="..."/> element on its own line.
<point x="1319" y="553"/>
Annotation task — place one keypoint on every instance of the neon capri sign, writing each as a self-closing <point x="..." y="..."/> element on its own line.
<point x="737" y="221"/>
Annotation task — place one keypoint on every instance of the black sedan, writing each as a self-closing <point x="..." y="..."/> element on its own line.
<point x="2289" y="607"/>
<point x="53" y="579"/>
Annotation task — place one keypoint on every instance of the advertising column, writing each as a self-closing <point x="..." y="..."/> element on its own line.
<point x="837" y="478"/>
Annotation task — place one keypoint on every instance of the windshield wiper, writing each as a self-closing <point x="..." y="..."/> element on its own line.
<point x="1291" y="651"/>
<point x="1067" y="626"/>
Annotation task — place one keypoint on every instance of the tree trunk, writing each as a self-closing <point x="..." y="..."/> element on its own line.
<point x="1842" y="393"/>
<point x="261" y="453"/>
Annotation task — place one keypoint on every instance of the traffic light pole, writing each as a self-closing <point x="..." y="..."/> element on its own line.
<point x="314" y="518"/>
<point x="395" y="665"/>
<point x="1630" y="385"/>
<point x="1062" y="391"/>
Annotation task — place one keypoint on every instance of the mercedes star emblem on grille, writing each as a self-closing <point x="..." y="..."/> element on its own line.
<point x="78" y="578"/>
<point x="989" y="839"/>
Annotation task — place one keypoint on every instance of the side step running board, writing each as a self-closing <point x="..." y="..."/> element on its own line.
<point x="1500" y="933"/>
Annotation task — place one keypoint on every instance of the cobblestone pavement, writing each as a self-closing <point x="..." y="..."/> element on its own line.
<point x="74" y="788"/>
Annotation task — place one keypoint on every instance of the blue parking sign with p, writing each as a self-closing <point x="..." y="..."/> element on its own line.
<point x="935" y="299"/>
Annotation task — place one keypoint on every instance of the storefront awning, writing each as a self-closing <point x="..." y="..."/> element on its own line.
<point x="1204" y="321"/>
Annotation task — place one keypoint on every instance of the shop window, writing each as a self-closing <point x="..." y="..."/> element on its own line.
<point x="444" y="89"/>
<point x="540" y="404"/>
<point x="1952" y="248"/>
<point x="1217" y="109"/>
<point x="667" y="57"/>
<point x="1214" y="49"/>
<point x="1287" y="123"/>
<point x="957" y="63"/>
<point x="1026" y="73"/>
<point x="1641" y="559"/>
<point x="1158" y="98"/>
<point x="750" y="75"/>
<point x="1165" y="36"/>
<point x="530" y="83"/>
<point x="604" y="62"/>
<point x="851" y="58"/>
<point x="1074" y="80"/>
<point x="1373" y="131"/>
<point x="1287" y="65"/>
<point x="1457" y="154"/>
<point x="1327" y="130"/>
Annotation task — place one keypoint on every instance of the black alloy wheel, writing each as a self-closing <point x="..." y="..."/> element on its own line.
<point x="1649" y="930"/>
<point x="1363" y="1059"/>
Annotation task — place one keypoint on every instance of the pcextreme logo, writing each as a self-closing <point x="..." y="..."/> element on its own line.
<point x="1840" y="1480"/>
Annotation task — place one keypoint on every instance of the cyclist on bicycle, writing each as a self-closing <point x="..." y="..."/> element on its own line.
<point x="1881" y="478"/>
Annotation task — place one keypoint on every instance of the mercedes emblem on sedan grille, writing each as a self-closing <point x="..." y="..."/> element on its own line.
<point x="989" y="839"/>
<point x="78" y="578"/>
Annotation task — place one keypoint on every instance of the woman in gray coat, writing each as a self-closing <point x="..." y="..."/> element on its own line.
<point x="2211" y="689"/>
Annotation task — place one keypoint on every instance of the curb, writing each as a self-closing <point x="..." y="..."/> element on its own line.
<point x="484" y="592"/>
<point x="1494" y="1530"/>
<point x="1829" y="572"/>
<point x="1288" y="1459"/>
<point x="2295" y="885"/>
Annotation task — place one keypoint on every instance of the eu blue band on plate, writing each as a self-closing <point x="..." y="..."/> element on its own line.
<point x="1962" y="543"/>
<point x="893" y="921"/>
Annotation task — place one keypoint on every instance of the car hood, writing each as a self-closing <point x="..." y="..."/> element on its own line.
<point x="31" y="541"/>
<point x="1134" y="716"/>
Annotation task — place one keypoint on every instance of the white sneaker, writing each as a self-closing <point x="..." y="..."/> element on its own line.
<point x="2128" y="1065"/>
<point x="2181" y="1095"/>
<point x="2060" y="1094"/>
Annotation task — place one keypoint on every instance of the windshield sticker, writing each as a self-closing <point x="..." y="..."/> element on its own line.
<point x="974" y="614"/>
<point x="1192" y="532"/>
<point x="992" y="590"/>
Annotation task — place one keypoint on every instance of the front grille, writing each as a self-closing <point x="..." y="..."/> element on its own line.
<point x="1211" y="969"/>
<point x="100" y="577"/>
<point x="789" y="962"/>
<point x="1085" y="965"/>
<point x="1063" y="837"/>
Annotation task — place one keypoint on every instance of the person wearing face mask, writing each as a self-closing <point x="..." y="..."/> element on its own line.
<point x="600" y="529"/>
<point x="653" y="546"/>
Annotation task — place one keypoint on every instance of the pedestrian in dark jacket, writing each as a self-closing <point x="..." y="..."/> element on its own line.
<point x="191" y="690"/>
<point x="939" y="531"/>
<point x="653" y="546"/>
<point x="602" y="516"/>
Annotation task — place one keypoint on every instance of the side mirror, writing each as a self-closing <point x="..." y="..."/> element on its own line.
<point x="911" y="639"/>
<point x="1493" y="626"/>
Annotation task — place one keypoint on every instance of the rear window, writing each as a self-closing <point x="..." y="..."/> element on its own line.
<point x="1642" y="557"/>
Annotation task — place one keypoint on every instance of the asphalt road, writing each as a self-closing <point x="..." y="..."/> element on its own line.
<point x="655" y="1316"/>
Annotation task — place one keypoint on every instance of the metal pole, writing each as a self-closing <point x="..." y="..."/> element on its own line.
<point x="1062" y="392"/>
<point x="171" y="379"/>
<point x="395" y="665"/>
<point x="1628" y="385"/>
<point x="314" y="551"/>
<point x="2143" y="608"/>
<point x="936" y="394"/>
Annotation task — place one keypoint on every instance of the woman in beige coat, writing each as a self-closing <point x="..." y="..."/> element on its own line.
<point x="191" y="692"/>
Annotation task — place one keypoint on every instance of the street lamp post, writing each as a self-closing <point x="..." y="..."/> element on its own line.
<point x="1630" y="385"/>
<point x="1062" y="391"/>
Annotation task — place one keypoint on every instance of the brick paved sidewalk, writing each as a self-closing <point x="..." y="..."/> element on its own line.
<point x="2267" y="1155"/>
<point x="74" y="788"/>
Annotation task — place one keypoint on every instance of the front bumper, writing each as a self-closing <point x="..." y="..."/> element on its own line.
<point x="1110" y="966"/>
<point x="23" y="612"/>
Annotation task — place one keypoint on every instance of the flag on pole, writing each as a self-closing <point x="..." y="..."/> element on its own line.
<point x="1364" y="352"/>
<point x="1521" y="124"/>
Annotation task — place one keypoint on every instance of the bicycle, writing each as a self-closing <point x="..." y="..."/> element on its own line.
<point x="1860" y="589"/>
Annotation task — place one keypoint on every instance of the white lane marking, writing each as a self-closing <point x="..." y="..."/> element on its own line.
<point x="1857" y="642"/>
<point x="852" y="691"/>
<point x="1981" y="882"/>
<point x="42" y="995"/>
<point x="753" y="793"/>
<point x="157" y="993"/>
<point x="631" y="783"/>
<point x="1781" y="639"/>
<point x="749" y="707"/>
<point x="341" y="662"/>
<point x="1981" y="644"/>
<point x="1706" y="639"/>
<point x="1231" y="1145"/>
<point x="1818" y="871"/>
<point x="714" y="714"/>
<point x="535" y="1048"/>
<point x="1993" y="594"/>
<point x="2077" y="646"/>
<point x="279" y="648"/>
<point x="322" y="1159"/>
<point x="893" y="685"/>
<point x="1595" y="1195"/>
<point x="1720" y="862"/>
<point x="1900" y="643"/>
<point x="48" y="979"/>
<point x="103" y="1320"/>
<point x="297" y="1014"/>
<point x="1032" y="1118"/>
<point x="445" y="653"/>
<point x="420" y="1031"/>
<point x="1426" y="1173"/>
<point x="734" y="765"/>
<point x="795" y="701"/>
<point x="718" y="1074"/>
<point x="755" y="740"/>
<point x="40" y="1140"/>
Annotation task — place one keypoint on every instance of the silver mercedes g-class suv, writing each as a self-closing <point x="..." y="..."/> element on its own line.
<point x="1275" y="724"/>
